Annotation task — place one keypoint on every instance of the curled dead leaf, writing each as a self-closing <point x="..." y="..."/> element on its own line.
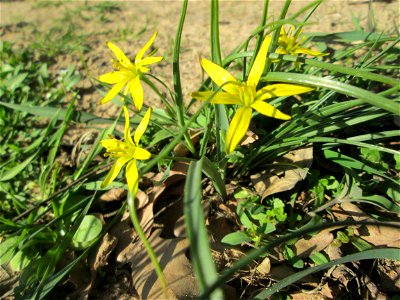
<point x="285" y="172"/>
<point x="171" y="253"/>
<point x="304" y="247"/>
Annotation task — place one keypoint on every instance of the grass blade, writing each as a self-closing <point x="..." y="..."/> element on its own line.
<point x="340" y="87"/>
<point x="203" y="265"/>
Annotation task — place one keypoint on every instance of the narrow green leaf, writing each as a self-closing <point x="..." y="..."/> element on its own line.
<point x="49" y="112"/>
<point x="340" y="87"/>
<point x="351" y="163"/>
<point x="211" y="172"/>
<point x="203" y="265"/>
<point x="10" y="174"/>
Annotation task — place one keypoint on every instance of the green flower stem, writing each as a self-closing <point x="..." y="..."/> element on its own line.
<point x="221" y="118"/>
<point x="154" y="88"/>
<point x="177" y="78"/>
<point x="149" y="249"/>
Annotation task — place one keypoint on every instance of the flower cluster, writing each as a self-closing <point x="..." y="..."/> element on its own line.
<point x="128" y="151"/>
<point x="246" y="96"/>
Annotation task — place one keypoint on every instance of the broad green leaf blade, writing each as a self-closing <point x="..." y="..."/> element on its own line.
<point x="236" y="238"/>
<point x="390" y="253"/>
<point x="203" y="265"/>
<point x="88" y="231"/>
<point x="340" y="87"/>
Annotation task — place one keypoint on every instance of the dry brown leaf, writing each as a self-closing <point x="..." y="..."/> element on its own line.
<point x="389" y="274"/>
<point x="114" y="195"/>
<point x="181" y="149"/>
<point x="307" y="296"/>
<point x="176" y="267"/>
<point x="372" y="289"/>
<point x="264" y="267"/>
<point x="98" y="258"/>
<point x="343" y="274"/>
<point x="379" y="236"/>
<point x="249" y="138"/>
<point x="304" y="247"/>
<point x="333" y="252"/>
<point x="281" y="271"/>
<point x="286" y="172"/>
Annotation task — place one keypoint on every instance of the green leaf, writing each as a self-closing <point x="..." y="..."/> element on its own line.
<point x="10" y="174"/>
<point x="351" y="163"/>
<point x="88" y="231"/>
<point x="318" y="258"/>
<point x="20" y="261"/>
<point x="49" y="112"/>
<point x="236" y="238"/>
<point x="203" y="265"/>
<point x="211" y="172"/>
<point x="8" y="248"/>
<point x="360" y="244"/>
<point x="340" y="87"/>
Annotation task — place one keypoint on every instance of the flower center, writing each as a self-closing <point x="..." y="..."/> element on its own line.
<point x="121" y="149"/>
<point x="247" y="94"/>
<point x="126" y="67"/>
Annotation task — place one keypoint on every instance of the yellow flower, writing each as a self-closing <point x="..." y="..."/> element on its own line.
<point x="246" y="95"/>
<point x="127" y="151"/>
<point x="290" y="43"/>
<point x="128" y="74"/>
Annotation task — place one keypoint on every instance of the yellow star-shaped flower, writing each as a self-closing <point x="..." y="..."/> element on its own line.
<point x="127" y="152"/>
<point x="246" y="95"/>
<point x="128" y="74"/>
<point x="290" y="43"/>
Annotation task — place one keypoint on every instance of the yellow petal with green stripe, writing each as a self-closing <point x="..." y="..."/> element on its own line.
<point x="238" y="127"/>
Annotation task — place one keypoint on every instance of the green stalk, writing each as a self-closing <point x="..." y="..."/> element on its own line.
<point x="177" y="78"/>
<point x="221" y="118"/>
<point x="275" y="35"/>
<point x="149" y="249"/>
<point x="260" y="36"/>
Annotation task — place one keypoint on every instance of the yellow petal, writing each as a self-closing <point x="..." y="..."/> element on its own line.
<point x="219" y="75"/>
<point x="217" y="98"/>
<point x="127" y="130"/>
<point x="113" y="92"/>
<point x="111" y="143"/>
<point x="113" y="173"/>
<point x="309" y="52"/>
<point x="269" y="111"/>
<point x="142" y="127"/>
<point x="238" y="127"/>
<point x="132" y="177"/>
<point x="141" y="154"/>
<point x="112" y="77"/>
<point x="281" y="89"/>
<point x="119" y="54"/>
<point x="151" y="60"/>
<point x="142" y="51"/>
<point x="259" y="63"/>
<point x="137" y="92"/>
